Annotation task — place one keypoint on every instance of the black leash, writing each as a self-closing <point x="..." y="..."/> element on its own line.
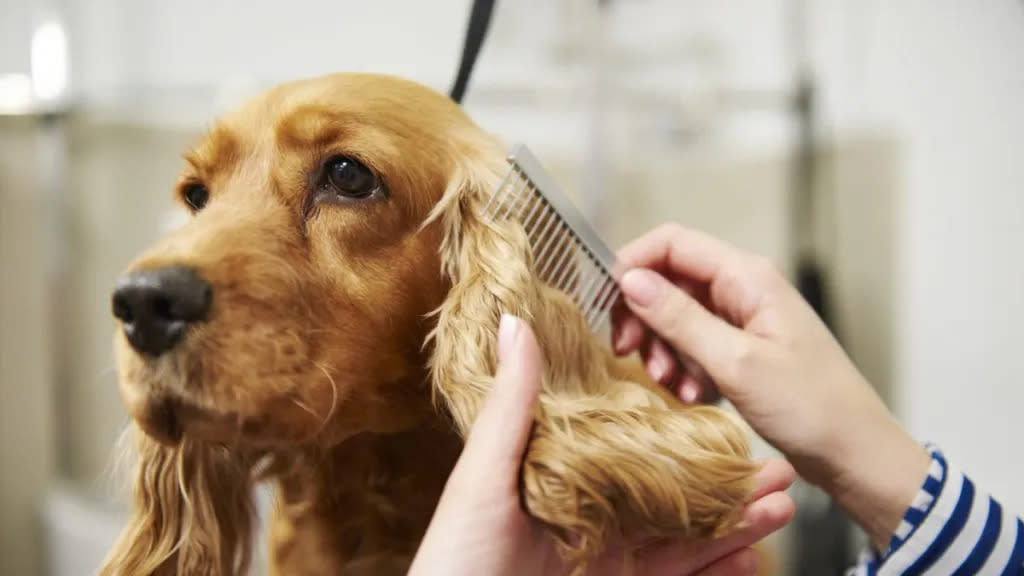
<point x="476" y="31"/>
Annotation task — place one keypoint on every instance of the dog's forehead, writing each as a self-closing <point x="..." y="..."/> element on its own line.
<point x="383" y="101"/>
<point x="313" y="113"/>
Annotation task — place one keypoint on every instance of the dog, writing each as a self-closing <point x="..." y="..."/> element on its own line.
<point x="326" y="321"/>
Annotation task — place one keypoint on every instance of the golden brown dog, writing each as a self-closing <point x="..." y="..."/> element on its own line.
<point x="288" y="332"/>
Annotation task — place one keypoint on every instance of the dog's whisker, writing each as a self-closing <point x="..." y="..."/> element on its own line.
<point x="334" y="395"/>
<point x="305" y="407"/>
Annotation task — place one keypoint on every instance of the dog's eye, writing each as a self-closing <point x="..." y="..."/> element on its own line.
<point x="196" y="195"/>
<point x="348" y="177"/>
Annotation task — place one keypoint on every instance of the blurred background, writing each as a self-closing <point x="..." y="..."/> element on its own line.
<point x="883" y="140"/>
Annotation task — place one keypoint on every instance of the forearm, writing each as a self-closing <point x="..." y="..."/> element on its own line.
<point x="879" y="473"/>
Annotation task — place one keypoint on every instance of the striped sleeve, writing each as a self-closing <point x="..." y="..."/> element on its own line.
<point x="951" y="528"/>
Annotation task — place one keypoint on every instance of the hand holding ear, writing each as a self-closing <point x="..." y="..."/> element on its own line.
<point x="480" y="526"/>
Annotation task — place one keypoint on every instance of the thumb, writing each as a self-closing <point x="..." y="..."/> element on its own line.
<point x="683" y="322"/>
<point x="502" y="427"/>
<point x="742" y="562"/>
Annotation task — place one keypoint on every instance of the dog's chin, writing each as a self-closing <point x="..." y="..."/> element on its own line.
<point x="160" y="420"/>
<point x="170" y="417"/>
<point x="169" y="420"/>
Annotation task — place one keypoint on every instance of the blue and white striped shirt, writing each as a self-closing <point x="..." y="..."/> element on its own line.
<point x="951" y="528"/>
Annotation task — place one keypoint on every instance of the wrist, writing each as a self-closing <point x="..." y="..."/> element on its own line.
<point x="875" y="476"/>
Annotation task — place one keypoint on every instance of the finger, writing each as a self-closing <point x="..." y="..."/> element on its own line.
<point x="696" y="385"/>
<point x="775" y="476"/>
<point x="760" y="518"/>
<point x="740" y="563"/>
<point x="689" y="389"/>
<point x="661" y="362"/>
<point x="502" y="427"/>
<point x="684" y="323"/>
<point x="627" y="329"/>
<point x="688" y="253"/>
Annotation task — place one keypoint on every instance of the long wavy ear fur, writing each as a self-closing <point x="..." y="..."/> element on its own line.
<point x="192" y="513"/>
<point x="608" y="457"/>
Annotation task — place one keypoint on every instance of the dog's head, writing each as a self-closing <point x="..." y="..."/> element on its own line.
<point x="294" y="305"/>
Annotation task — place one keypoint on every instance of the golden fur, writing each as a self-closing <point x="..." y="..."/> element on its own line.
<point x="332" y="328"/>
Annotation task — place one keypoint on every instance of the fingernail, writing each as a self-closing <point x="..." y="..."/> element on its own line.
<point x="508" y="328"/>
<point x="657" y="369"/>
<point x="641" y="286"/>
<point x="688" y="393"/>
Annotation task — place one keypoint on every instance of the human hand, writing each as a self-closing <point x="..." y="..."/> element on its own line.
<point x="734" y="320"/>
<point x="480" y="526"/>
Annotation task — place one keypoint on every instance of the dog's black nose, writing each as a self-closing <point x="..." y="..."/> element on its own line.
<point x="156" y="306"/>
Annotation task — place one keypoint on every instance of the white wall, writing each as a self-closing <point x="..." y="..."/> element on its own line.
<point x="948" y="76"/>
<point x="15" y="29"/>
<point x="945" y="79"/>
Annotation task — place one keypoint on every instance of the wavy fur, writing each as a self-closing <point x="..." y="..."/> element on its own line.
<point x="192" y="513"/>
<point x="609" y="457"/>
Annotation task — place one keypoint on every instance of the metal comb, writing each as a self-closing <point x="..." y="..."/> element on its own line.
<point x="567" y="254"/>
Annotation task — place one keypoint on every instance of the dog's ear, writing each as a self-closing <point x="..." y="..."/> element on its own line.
<point x="608" y="457"/>
<point x="192" y="513"/>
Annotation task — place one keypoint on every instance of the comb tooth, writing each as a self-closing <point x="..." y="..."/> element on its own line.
<point x="607" y="287"/>
<point x="600" y="320"/>
<point x="534" y="233"/>
<point x="538" y="201"/>
<point x="583" y="284"/>
<point x="563" y="263"/>
<point x="544" y="269"/>
<point x="502" y="188"/>
<point x="557" y="255"/>
<point x="591" y="278"/>
<point x="608" y="300"/>
<point x="581" y="279"/>
<point x="498" y="198"/>
<point x="606" y="308"/>
<point x="547" y="239"/>
<point x="544" y="238"/>
<point x="569" y="270"/>
<point x="510" y="192"/>
<point x="570" y="280"/>
<point x="549" y="256"/>
<point x="595" y="302"/>
<point x="573" y="283"/>
<point x="520" y="204"/>
<point x="587" y="293"/>
<point x="510" y="203"/>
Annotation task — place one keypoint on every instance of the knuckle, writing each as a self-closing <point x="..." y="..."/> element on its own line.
<point x="680" y="311"/>
<point x="668" y="232"/>
<point x="745" y="358"/>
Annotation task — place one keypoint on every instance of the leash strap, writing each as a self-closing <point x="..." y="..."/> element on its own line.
<point x="476" y="31"/>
